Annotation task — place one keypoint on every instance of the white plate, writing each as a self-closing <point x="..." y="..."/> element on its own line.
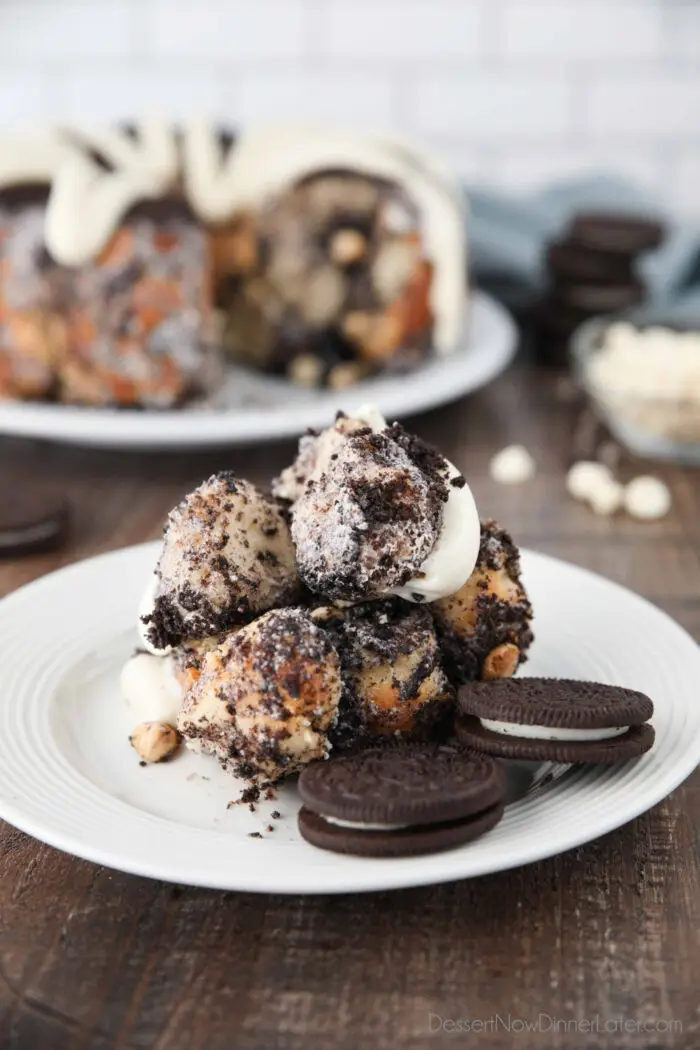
<point x="257" y="408"/>
<point x="69" y="777"/>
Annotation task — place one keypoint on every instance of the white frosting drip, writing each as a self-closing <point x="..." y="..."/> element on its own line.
<point x="358" y="824"/>
<point x="150" y="687"/>
<point x="87" y="203"/>
<point x="263" y="163"/>
<point x="451" y="561"/>
<point x="536" y="732"/>
<point x="32" y="156"/>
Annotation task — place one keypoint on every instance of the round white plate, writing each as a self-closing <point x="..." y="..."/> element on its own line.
<point x="69" y="776"/>
<point x="256" y="408"/>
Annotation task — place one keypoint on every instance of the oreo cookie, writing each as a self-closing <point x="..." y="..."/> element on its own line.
<point x="612" y="232"/>
<point x="557" y="720"/>
<point x="593" y="299"/>
<point x="31" y="524"/>
<point x="568" y="261"/>
<point x="400" y="800"/>
<point x="556" y="321"/>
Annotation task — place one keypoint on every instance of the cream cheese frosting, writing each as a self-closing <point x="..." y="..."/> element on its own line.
<point x="452" y="559"/>
<point x="150" y="687"/>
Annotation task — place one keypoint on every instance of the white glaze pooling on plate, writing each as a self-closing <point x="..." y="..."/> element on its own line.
<point x="536" y="732"/>
<point x="252" y="407"/>
<point x="266" y="161"/>
<point x="61" y="714"/>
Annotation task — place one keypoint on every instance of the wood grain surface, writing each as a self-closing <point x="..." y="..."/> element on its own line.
<point x="595" y="948"/>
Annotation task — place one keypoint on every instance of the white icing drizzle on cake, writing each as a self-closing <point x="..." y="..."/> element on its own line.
<point x="30" y="157"/>
<point x="87" y="202"/>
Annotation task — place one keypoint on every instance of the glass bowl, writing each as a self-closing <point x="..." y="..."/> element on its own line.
<point x="651" y="413"/>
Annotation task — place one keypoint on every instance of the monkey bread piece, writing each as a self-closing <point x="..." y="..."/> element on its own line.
<point x="188" y="657"/>
<point x="484" y="629"/>
<point x="266" y="697"/>
<point x="393" y="680"/>
<point x="318" y="450"/>
<point x="227" y="557"/>
<point x="367" y="524"/>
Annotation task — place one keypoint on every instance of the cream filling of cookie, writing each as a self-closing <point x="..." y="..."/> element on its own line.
<point x="150" y="687"/>
<point x="537" y="732"/>
<point x="360" y="825"/>
<point x="87" y="203"/>
<point x="265" y="162"/>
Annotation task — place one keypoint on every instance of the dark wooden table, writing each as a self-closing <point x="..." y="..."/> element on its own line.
<point x="94" y="959"/>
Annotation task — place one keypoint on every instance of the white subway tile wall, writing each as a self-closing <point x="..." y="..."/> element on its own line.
<point x="516" y="92"/>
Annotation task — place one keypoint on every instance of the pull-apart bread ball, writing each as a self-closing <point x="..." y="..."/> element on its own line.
<point x="318" y="450"/>
<point x="393" y="683"/>
<point x="227" y="557"/>
<point x="484" y="629"/>
<point x="266" y="697"/>
<point x="383" y="514"/>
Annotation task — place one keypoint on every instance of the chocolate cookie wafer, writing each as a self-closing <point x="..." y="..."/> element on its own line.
<point x="31" y="523"/>
<point x="568" y="261"/>
<point x="591" y="298"/>
<point x="400" y="799"/>
<point x="556" y="720"/>
<point x="612" y="232"/>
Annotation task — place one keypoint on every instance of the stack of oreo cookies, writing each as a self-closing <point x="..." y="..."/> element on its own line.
<point x="592" y="269"/>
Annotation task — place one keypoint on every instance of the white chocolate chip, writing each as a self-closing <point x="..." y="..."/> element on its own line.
<point x="594" y="483"/>
<point x="607" y="498"/>
<point x="647" y="498"/>
<point x="649" y="379"/>
<point x="513" y="465"/>
<point x="586" y="477"/>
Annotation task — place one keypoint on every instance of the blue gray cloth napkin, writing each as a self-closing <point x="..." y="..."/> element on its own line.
<point x="507" y="235"/>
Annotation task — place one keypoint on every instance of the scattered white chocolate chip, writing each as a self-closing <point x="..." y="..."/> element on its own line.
<point x="594" y="483"/>
<point x="586" y="477"/>
<point x="155" y="741"/>
<point x="647" y="498"/>
<point x="607" y="498"/>
<point x="513" y="465"/>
